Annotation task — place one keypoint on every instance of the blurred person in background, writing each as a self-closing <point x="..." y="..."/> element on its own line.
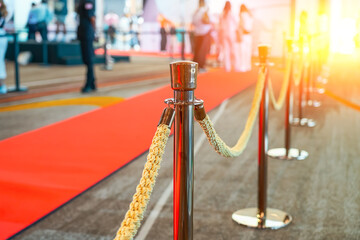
<point x="245" y="28"/>
<point x="134" y="33"/>
<point x="202" y="26"/>
<point x="44" y="16"/>
<point x="60" y="12"/>
<point x="86" y="36"/>
<point x="163" y="34"/>
<point x="227" y="34"/>
<point x="32" y="22"/>
<point x="111" y="20"/>
<point x="3" y="46"/>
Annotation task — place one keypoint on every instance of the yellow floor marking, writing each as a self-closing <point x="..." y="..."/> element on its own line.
<point x="97" y="101"/>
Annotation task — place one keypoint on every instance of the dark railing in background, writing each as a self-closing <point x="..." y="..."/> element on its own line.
<point x="17" y="87"/>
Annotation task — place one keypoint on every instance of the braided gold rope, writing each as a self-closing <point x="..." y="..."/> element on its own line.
<point x="134" y="215"/>
<point x="280" y="102"/>
<point x="218" y="144"/>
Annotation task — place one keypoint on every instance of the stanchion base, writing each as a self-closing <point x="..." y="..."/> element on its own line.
<point x="320" y="90"/>
<point x="20" y="89"/>
<point x="293" y="154"/>
<point x="303" y="122"/>
<point x="313" y="103"/>
<point x="107" y="67"/>
<point x="275" y="219"/>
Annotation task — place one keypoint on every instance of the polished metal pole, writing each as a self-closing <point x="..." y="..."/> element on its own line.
<point x="17" y="87"/>
<point x="107" y="65"/>
<point x="288" y="109"/>
<point x="310" y="101"/>
<point x="262" y="217"/>
<point x="309" y="70"/>
<point x="263" y="140"/>
<point x="16" y="55"/>
<point x="183" y="82"/>
<point x="300" y="121"/>
<point x="301" y="85"/>
<point x="288" y="153"/>
<point x="44" y="45"/>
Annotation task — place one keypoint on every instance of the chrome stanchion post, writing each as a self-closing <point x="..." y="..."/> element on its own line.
<point x="288" y="153"/>
<point x="308" y="72"/>
<point x="310" y="101"/>
<point x="183" y="44"/>
<point x="17" y="87"/>
<point x="262" y="217"/>
<point x="107" y="58"/>
<point x="300" y="120"/>
<point x="301" y="79"/>
<point x="263" y="141"/>
<point x="44" y="45"/>
<point x="183" y="82"/>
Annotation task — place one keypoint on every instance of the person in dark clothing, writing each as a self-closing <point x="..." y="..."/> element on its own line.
<point x="163" y="35"/>
<point x="163" y="22"/>
<point x="32" y="22"/>
<point x="86" y="36"/>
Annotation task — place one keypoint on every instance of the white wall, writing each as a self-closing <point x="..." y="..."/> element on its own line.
<point x="22" y="8"/>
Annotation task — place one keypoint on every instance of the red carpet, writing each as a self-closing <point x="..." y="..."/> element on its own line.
<point x="43" y="169"/>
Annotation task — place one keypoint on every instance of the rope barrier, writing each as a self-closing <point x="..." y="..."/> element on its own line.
<point x="135" y="214"/>
<point x="218" y="144"/>
<point x="277" y="104"/>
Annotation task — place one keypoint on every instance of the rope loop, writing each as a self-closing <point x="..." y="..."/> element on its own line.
<point x="218" y="144"/>
<point x="277" y="104"/>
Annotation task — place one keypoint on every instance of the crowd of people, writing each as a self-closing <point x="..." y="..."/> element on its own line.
<point x="231" y="33"/>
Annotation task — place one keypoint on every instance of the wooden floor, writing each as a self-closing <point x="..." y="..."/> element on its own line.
<point x="321" y="193"/>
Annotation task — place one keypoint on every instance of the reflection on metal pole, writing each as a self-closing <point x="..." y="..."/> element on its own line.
<point x="183" y="82"/>
<point x="262" y="217"/>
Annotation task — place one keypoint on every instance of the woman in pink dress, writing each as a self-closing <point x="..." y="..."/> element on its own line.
<point x="245" y="28"/>
<point x="228" y="25"/>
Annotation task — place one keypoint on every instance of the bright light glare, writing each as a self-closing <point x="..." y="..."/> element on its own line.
<point x="343" y="34"/>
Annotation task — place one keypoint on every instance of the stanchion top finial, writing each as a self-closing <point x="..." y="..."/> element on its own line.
<point x="264" y="51"/>
<point x="289" y="44"/>
<point x="183" y="75"/>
